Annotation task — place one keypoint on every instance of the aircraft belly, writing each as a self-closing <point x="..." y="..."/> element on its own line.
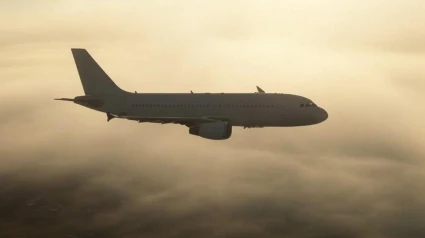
<point x="253" y="120"/>
<point x="235" y="117"/>
<point x="294" y="119"/>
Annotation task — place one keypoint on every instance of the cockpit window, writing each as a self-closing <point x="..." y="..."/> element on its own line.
<point x="308" y="105"/>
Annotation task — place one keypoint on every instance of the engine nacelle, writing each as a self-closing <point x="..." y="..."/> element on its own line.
<point x="214" y="131"/>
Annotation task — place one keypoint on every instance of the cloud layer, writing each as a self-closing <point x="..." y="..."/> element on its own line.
<point x="64" y="171"/>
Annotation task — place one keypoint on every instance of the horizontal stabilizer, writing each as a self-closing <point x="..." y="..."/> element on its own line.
<point x="65" y="99"/>
<point x="89" y="102"/>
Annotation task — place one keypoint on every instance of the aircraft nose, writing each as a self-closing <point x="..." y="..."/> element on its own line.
<point x="323" y="115"/>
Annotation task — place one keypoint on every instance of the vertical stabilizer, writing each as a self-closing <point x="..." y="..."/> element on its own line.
<point x="95" y="81"/>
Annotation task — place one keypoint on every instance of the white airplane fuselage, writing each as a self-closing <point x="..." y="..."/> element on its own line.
<point x="208" y="115"/>
<point x="239" y="109"/>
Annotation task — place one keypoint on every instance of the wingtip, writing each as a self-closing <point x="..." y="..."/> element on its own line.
<point x="260" y="90"/>
<point x="110" y="116"/>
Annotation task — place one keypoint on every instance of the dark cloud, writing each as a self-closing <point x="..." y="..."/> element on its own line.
<point x="112" y="189"/>
<point x="113" y="199"/>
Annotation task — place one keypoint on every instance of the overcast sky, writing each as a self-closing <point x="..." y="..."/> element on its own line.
<point x="64" y="170"/>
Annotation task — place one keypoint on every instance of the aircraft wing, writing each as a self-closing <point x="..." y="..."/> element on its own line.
<point x="188" y="121"/>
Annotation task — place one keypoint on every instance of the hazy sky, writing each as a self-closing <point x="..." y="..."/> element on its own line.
<point x="65" y="171"/>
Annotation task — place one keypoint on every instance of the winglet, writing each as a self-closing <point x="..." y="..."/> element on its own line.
<point x="110" y="116"/>
<point x="260" y="90"/>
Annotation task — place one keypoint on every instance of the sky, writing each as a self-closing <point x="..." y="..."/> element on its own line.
<point x="65" y="171"/>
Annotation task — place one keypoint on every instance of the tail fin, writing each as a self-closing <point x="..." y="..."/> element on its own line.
<point x="95" y="81"/>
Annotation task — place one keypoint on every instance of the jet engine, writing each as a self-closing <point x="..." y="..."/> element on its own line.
<point x="214" y="131"/>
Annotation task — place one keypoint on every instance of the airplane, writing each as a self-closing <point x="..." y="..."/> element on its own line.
<point x="207" y="115"/>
